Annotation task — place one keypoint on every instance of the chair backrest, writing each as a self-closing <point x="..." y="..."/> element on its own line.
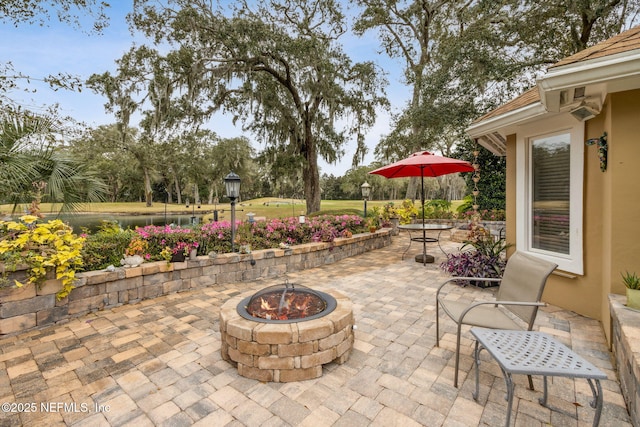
<point x="523" y="280"/>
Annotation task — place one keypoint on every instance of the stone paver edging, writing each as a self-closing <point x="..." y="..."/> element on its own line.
<point x="286" y="352"/>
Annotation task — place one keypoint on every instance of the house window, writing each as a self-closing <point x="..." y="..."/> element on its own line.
<point x="549" y="184"/>
<point x="550" y="193"/>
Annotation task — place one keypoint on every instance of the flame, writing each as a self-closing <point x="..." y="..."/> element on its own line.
<point x="264" y="305"/>
<point x="304" y="304"/>
<point x="293" y="306"/>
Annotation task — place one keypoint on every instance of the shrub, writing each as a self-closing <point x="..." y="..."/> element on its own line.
<point x="159" y="237"/>
<point x="41" y="246"/>
<point x="52" y="245"/>
<point x="215" y="237"/>
<point x="466" y="206"/>
<point x="105" y="247"/>
<point x="108" y="245"/>
<point x="438" y="209"/>
<point x="485" y="260"/>
<point x="270" y="234"/>
<point x="407" y="211"/>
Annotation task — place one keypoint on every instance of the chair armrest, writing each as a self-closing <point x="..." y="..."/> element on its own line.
<point x="522" y="303"/>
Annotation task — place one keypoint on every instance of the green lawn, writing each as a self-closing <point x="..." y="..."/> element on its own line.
<point x="269" y="207"/>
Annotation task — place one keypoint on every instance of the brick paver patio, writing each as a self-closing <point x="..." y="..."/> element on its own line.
<point x="158" y="363"/>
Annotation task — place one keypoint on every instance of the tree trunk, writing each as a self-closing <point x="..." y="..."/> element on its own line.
<point x="177" y="186"/>
<point x="413" y="189"/>
<point x="148" y="192"/>
<point x="115" y="187"/>
<point x="311" y="174"/>
<point x="196" y="195"/>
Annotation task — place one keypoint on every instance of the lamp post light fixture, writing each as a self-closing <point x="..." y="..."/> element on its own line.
<point x="193" y="208"/>
<point x="366" y="190"/>
<point x="193" y="211"/>
<point x="166" y="200"/>
<point x="232" y="183"/>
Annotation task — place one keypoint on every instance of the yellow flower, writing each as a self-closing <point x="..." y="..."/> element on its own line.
<point x="50" y="245"/>
<point x="28" y="219"/>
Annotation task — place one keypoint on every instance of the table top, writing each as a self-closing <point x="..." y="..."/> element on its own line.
<point x="534" y="353"/>
<point x="425" y="226"/>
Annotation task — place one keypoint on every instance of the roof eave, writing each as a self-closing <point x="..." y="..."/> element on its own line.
<point x="601" y="70"/>
<point x="492" y="133"/>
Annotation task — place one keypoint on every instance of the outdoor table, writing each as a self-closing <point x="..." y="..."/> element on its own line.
<point x="424" y="258"/>
<point x="535" y="353"/>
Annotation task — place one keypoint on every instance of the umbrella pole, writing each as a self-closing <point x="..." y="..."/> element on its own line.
<point x="424" y="232"/>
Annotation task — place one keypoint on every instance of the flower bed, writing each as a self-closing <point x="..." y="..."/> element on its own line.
<point x="51" y="246"/>
<point x="155" y="243"/>
<point x="34" y="306"/>
<point x="41" y="247"/>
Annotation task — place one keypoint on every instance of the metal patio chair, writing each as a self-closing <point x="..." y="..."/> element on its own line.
<point x="520" y="291"/>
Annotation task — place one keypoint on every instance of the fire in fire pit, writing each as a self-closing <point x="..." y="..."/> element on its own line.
<point x="286" y="350"/>
<point x="286" y="303"/>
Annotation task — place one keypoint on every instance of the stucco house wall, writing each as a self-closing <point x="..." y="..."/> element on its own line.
<point x="611" y="216"/>
<point x="610" y="231"/>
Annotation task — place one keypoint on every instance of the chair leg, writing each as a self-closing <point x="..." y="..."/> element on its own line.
<point x="455" y="376"/>
<point x="530" y="382"/>
<point x="437" y="325"/>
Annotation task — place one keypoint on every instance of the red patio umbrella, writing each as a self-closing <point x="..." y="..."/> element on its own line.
<point x="423" y="163"/>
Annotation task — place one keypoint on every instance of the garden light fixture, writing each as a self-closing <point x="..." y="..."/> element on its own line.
<point x="232" y="183"/>
<point x="366" y="190"/>
<point x="193" y="211"/>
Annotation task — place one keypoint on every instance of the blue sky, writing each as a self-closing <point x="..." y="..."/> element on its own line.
<point x="39" y="51"/>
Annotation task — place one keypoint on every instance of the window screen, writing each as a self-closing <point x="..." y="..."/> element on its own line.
<point x="550" y="170"/>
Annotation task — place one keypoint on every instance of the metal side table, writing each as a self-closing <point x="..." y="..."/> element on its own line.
<point x="535" y="353"/>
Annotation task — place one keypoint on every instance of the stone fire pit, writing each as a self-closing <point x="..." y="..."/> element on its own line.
<point x="279" y="351"/>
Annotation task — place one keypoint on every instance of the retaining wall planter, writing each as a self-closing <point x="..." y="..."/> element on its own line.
<point x="625" y="328"/>
<point x="32" y="307"/>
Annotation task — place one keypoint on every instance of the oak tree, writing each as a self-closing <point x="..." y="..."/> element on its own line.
<point x="276" y="66"/>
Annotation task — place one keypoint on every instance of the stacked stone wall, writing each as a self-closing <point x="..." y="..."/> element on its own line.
<point x="29" y="307"/>
<point x="625" y="346"/>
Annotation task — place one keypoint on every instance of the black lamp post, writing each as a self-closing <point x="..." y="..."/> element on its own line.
<point x="193" y="211"/>
<point x="232" y="183"/>
<point x="215" y="209"/>
<point x="366" y="190"/>
<point x="166" y="200"/>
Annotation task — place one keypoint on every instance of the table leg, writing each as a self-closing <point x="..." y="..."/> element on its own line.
<point x="509" y="397"/>
<point x="595" y="403"/>
<point x="406" y="250"/>
<point x="543" y="399"/>
<point x="597" y="400"/>
<point x="439" y="233"/>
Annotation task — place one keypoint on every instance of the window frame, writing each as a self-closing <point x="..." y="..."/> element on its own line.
<point x="572" y="262"/>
